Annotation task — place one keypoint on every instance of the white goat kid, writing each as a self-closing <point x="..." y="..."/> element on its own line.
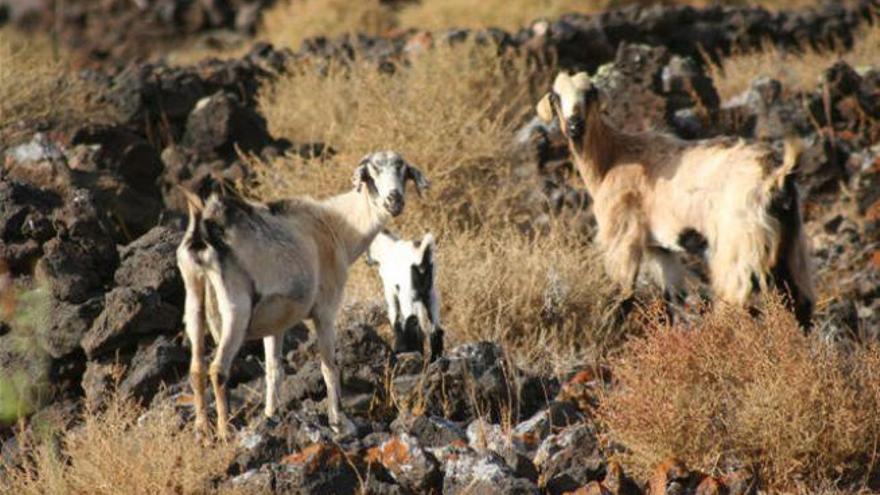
<point x="254" y="270"/>
<point x="408" y="275"/>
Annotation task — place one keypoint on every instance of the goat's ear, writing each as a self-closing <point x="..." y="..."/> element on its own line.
<point x="193" y="202"/>
<point x="427" y="249"/>
<point x="418" y="178"/>
<point x="545" y="109"/>
<point x="361" y="175"/>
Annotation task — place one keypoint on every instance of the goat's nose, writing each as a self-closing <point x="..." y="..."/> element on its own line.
<point x="576" y="126"/>
<point x="394" y="202"/>
<point x="395" y="198"/>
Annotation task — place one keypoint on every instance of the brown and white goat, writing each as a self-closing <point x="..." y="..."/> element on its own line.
<point x="655" y="195"/>
<point x="254" y="270"/>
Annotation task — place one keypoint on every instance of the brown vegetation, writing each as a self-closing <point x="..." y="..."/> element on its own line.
<point x="123" y="449"/>
<point x="541" y="298"/>
<point x="452" y="112"/>
<point x="796" y="71"/>
<point x="743" y="391"/>
<point x="289" y="22"/>
<point x="37" y="83"/>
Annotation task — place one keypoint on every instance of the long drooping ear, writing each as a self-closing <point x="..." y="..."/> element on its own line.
<point x="426" y="247"/>
<point x="361" y="174"/>
<point x="415" y="175"/>
<point x="545" y="109"/>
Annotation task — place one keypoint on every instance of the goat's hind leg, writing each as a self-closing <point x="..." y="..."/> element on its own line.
<point x="194" y="323"/>
<point x="234" y="307"/>
<point x="325" y="327"/>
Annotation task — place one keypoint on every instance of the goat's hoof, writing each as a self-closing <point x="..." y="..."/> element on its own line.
<point x="224" y="433"/>
<point x="201" y="424"/>
<point x="343" y="427"/>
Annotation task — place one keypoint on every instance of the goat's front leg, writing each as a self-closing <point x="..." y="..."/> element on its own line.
<point x="234" y="305"/>
<point x="193" y="320"/>
<point x="393" y="303"/>
<point x="325" y="327"/>
<point x="274" y="372"/>
<point x="624" y="247"/>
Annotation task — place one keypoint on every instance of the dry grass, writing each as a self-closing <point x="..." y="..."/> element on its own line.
<point x="542" y="299"/>
<point x="796" y="71"/>
<point x="452" y="112"/>
<point x="289" y="22"/>
<point x="122" y="450"/>
<point x="38" y="84"/>
<point x="509" y="15"/>
<point x="753" y="392"/>
<point x="515" y="14"/>
<point x="194" y="52"/>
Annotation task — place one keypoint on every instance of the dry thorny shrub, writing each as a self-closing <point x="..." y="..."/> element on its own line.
<point x="37" y="83"/>
<point x="797" y="71"/>
<point x="452" y="112"/>
<point x="122" y="449"/>
<point x="753" y="392"/>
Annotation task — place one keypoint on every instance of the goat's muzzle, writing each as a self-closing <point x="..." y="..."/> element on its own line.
<point x="575" y="127"/>
<point x="394" y="203"/>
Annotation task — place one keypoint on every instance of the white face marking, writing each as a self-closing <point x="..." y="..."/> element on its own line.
<point x="387" y="169"/>
<point x="570" y="96"/>
<point x="571" y="90"/>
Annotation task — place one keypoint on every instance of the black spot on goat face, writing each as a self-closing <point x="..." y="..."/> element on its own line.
<point x="385" y="173"/>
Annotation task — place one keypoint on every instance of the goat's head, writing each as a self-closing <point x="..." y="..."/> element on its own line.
<point x="570" y="100"/>
<point x="385" y="173"/>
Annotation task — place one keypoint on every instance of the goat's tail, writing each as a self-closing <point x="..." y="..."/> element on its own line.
<point x="792" y="149"/>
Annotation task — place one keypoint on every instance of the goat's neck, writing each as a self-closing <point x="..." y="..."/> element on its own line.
<point x="595" y="153"/>
<point x="360" y="219"/>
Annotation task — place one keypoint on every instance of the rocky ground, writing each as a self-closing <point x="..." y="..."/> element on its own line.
<point x="93" y="213"/>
